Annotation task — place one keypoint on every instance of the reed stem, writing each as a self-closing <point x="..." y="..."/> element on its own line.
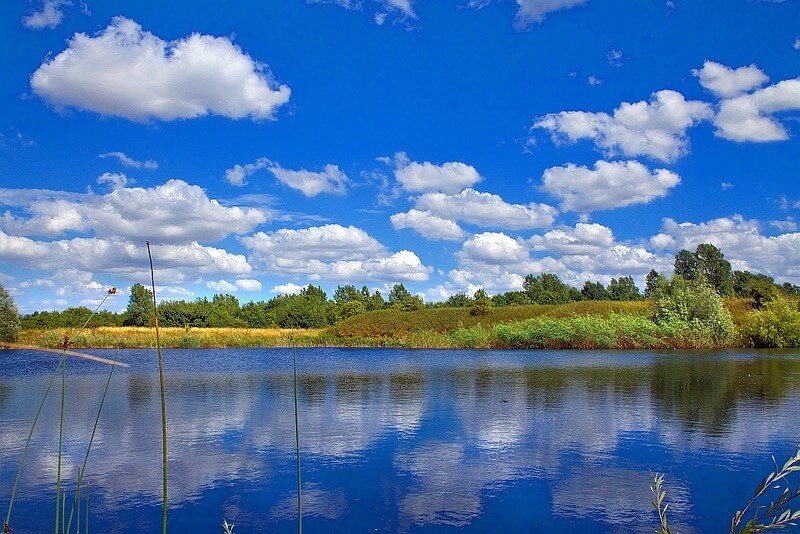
<point x="163" y="395"/>
<point x="297" y="439"/>
<point x="59" y="511"/>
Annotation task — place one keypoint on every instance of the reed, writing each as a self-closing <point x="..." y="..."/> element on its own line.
<point x="163" y="396"/>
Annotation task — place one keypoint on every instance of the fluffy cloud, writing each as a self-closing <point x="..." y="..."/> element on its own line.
<point x="428" y="225"/>
<point x="534" y="11"/>
<point x="583" y="239"/>
<point x="49" y="16"/>
<point x="449" y="177"/>
<point x="611" y="184"/>
<point x="333" y="252"/>
<point x="130" y="162"/>
<point x="175" y="263"/>
<point x="486" y="210"/>
<point x="749" y="117"/>
<point x="127" y="72"/>
<point x="311" y="184"/>
<point x="238" y="174"/>
<point x="656" y="129"/>
<point x="174" y="212"/>
<point x="228" y="287"/>
<point x="742" y="242"/>
<point x="286" y="289"/>
<point x="726" y="82"/>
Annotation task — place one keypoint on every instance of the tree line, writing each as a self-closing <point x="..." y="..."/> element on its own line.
<point x="312" y="308"/>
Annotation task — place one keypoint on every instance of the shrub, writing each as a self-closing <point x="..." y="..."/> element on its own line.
<point x="9" y="317"/>
<point x="777" y="325"/>
<point x="694" y="310"/>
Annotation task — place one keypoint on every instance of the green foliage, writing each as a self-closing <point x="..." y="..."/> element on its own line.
<point x="777" y="325"/>
<point x="140" y="307"/>
<point x="475" y="337"/>
<point x="623" y="288"/>
<point x="398" y="295"/>
<point x="547" y="288"/>
<point x="692" y="310"/>
<point x="594" y="291"/>
<point x="459" y="300"/>
<point x="652" y="281"/>
<point x="481" y="303"/>
<point x="69" y="318"/>
<point x="707" y="263"/>
<point x="9" y="317"/>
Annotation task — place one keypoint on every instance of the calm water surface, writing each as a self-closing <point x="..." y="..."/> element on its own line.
<point x="405" y="441"/>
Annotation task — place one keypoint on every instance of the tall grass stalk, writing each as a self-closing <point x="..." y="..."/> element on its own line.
<point x="297" y="440"/>
<point x="64" y="351"/>
<point x="59" y="506"/>
<point x="82" y="469"/>
<point x="163" y="395"/>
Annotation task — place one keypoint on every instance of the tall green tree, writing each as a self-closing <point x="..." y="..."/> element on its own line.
<point x="140" y="307"/>
<point x="707" y="262"/>
<point x="9" y="317"/>
<point x="398" y="295"/>
<point x="623" y="289"/>
<point x="547" y="288"/>
<point x="594" y="291"/>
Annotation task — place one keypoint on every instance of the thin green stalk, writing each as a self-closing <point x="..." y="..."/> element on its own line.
<point x="163" y="395"/>
<point x="297" y="438"/>
<point x="87" y="508"/>
<point x="77" y="498"/>
<point x="60" y="441"/>
<point x="82" y="470"/>
<point x="27" y="443"/>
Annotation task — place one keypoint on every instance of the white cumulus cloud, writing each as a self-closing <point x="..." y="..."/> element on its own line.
<point x="449" y="177"/>
<point x="611" y="184"/>
<point x="49" y="16"/>
<point x="232" y="287"/>
<point x="741" y="240"/>
<point x="486" y="210"/>
<point x="428" y="225"/>
<point x="333" y="252"/>
<point x="749" y="117"/>
<point x="128" y="72"/>
<point x="726" y="82"/>
<point x="656" y="129"/>
<point x="286" y="289"/>
<point x="310" y="183"/>
<point x="532" y="12"/>
<point x="170" y="213"/>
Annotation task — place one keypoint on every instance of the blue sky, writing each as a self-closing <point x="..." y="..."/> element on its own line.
<point x="444" y="145"/>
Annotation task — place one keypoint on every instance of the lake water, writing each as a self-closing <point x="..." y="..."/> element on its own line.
<point x="404" y="441"/>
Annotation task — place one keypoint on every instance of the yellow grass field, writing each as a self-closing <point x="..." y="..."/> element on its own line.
<point x="144" y="337"/>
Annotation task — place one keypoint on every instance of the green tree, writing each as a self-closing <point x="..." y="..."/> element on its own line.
<point x="9" y="317"/>
<point x="594" y="291"/>
<point x="693" y="307"/>
<point x="686" y="264"/>
<point x="459" y="300"/>
<point x="225" y="312"/>
<point x="482" y="303"/>
<point x="547" y="288"/>
<point x="652" y="281"/>
<point x="140" y="307"/>
<point x="398" y="295"/>
<point x="623" y="289"/>
<point x="716" y="269"/>
<point x="707" y="262"/>
<point x="348" y="293"/>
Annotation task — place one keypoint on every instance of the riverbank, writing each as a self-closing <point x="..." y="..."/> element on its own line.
<point x="580" y="325"/>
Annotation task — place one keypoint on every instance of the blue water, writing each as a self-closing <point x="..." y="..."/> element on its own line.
<point x="404" y="441"/>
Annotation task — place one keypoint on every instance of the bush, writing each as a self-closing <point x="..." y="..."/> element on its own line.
<point x="694" y="311"/>
<point x="9" y="317"/>
<point x="777" y="325"/>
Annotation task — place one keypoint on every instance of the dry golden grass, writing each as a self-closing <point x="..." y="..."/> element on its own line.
<point x="144" y="337"/>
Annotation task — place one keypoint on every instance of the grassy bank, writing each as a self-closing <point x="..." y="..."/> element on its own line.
<point x="578" y="325"/>
<point x="187" y="338"/>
